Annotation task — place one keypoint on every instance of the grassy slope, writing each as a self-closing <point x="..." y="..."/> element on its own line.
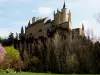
<point x="26" y="73"/>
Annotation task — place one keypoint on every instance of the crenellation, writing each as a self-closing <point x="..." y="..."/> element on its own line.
<point x="33" y="19"/>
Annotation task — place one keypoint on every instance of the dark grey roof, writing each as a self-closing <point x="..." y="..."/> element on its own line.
<point x="48" y="21"/>
<point x="39" y="21"/>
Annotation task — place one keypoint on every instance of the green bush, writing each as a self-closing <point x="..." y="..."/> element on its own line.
<point x="12" y="53"/>
<point x="12" y="59"/>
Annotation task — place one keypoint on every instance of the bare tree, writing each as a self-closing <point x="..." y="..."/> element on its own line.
<point x="97" y="17"/>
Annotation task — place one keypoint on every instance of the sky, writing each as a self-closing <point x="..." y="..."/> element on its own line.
<point x="16" y="13"/>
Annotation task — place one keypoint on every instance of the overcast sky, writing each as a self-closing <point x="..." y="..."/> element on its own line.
<point x="17" y="13"/>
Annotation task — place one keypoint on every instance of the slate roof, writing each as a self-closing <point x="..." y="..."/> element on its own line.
<point x="38" y="21"/>
<point x="48" y="21"/>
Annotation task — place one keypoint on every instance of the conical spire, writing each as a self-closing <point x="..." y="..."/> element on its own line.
<point x="29" y="23"/>
<point x="64" y="6"/>
<point x="82" y="26"/>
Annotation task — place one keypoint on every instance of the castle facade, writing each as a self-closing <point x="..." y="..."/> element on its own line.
<point x="40" y="27"/>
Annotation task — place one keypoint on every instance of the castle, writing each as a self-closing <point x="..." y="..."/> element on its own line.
<point x="40" y="27"/>
<point x="43" y="27"/>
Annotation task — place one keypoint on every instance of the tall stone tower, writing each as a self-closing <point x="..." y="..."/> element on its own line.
<point x="63" y="16"/>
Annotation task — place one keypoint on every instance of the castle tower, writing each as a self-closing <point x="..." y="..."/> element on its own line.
<point x="33" y="19"/>
<point x="60" y="17"/>
<point x="64" y="14"/>
<point x="70" y="20"/>
<point x="57" y="17"/>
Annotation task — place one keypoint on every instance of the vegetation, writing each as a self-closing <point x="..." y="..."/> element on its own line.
<point x="59" y="55"/>
<point x="12" y="53"/>
<point x="7" y="41"/>
<point x="27" y="73"/>
<point x="11" y="59"/>
<point x="2" y="53"/>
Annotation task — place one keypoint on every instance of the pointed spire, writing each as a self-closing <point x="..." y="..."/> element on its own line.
<point x="64" y="6"/>
<point x="29" y="23"/>
<point x="82" y="26"/>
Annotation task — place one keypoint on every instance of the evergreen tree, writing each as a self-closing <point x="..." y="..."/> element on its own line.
<point x="16" y="35"/>
<point x="11" y="36"/>
<point x="22" y="31"/>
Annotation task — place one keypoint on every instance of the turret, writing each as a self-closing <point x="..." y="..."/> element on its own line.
<point x="33" y="19"/>
<point x="37" y="18"/>
<point x="70" y="20"/>
<point x="61" y="16"/>
<point x="64" y="14"/>
<point x="69" y="16"/>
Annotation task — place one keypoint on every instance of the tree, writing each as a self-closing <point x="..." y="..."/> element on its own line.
<point x="97" y="17"/>
<point x="2" y="53"/>
<point x="12" y="59"/>
<point x="11" y="36"/>
<point x="16" y="35"/>
<point x="1" y="39"/>
<point x="22" y="31"/>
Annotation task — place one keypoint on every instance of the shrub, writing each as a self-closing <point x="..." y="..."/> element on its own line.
<point x="12" y="59"/>
<point x="2" y="53"/>
<point x="12" y="53"/>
